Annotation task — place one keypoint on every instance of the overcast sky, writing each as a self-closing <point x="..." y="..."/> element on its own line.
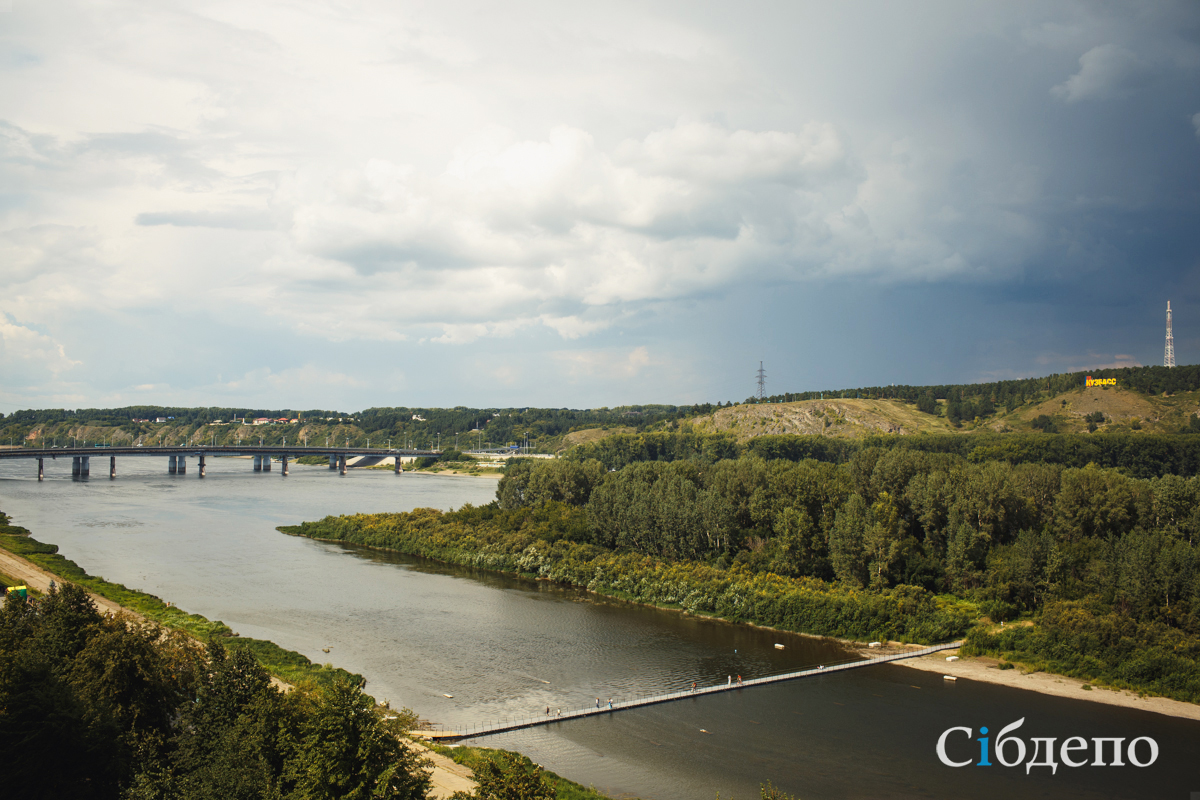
<point x="355" y="204"/>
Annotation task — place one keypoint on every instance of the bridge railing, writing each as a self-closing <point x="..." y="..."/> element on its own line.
<point x="640" y="699"/>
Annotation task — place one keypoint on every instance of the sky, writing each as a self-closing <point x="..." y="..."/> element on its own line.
<point x="346" y="205"/>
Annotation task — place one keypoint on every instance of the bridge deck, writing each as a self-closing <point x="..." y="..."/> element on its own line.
<point x="498" y="726"/>
<point x="208" y="450"/>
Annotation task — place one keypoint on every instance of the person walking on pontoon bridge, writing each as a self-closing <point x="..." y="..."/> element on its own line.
<point x="597" y="702"/>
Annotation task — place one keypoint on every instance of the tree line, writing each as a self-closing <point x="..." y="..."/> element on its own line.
<point x="1139" y="455"/>
<point x="420" y="427"/>
<point x="903" y="542"/>
<point x="1012" y="393"/>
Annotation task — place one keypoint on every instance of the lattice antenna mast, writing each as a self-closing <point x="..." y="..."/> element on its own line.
<point x="762" y="382"/>
<point x="1169" y="351"/>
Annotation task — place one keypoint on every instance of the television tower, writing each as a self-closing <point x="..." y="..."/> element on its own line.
<point x="762" y="382"/>
<point x="1169" y="351"/>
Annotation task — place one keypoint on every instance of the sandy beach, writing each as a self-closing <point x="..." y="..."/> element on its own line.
<point x="985" y="670"/>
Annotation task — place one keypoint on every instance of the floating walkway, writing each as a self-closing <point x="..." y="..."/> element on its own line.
<point x="501" y="726"/>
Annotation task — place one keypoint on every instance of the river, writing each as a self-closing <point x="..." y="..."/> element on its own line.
<point x="504" y="647"/>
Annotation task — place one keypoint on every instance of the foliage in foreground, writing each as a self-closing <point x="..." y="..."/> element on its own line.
<point x="287" y="665"/>
<point x="96" y="706"/>
<point x="506" y="773"/>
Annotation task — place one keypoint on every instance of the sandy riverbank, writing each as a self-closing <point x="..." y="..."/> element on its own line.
<point x="37" y="578"/>
<point x="985" y="670"/>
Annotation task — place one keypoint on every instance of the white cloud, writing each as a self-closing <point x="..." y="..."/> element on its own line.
<point x="607" y="364"/>
<point x="295" y="380"/>
<point x="706" y="153"/>
<point x="299" y="182"/>
<point x="1106" y="70"/>
<point x="20" y="344"/>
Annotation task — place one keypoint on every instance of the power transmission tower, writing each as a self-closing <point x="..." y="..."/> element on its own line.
<point x="762" y="382"/>
<point x="1169" y="351"/>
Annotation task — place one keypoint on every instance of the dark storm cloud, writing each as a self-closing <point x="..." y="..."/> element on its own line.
<point x="586" y="191"/>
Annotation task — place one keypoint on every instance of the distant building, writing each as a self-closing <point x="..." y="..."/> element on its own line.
<point x="160" y="419"/>
<point x="262" y="421"/>
<point x="418" y="418"/>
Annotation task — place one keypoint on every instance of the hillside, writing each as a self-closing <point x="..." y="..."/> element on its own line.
<point x="849" y="419"/>
<point x="1123" y="410"/>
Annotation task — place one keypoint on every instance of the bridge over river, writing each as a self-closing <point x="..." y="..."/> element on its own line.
<point x="177" y="456"/>
<point x="604" y="707"/>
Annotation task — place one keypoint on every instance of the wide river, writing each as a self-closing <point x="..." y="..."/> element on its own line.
<point x="500" y="647"/>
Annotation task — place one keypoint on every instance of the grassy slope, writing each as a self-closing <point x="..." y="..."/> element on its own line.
<point x="1123" y="410"/>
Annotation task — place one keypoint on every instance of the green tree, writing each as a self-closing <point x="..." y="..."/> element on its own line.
<point x="349" y="750"/>
<point x="881" y="540"/>
<point x="509" y="776"/>
<point x="846" y="541"/>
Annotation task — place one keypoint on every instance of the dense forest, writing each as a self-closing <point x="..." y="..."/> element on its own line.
<point x="1142" y="455"/>
<point x="866" y="542"/>
<point x="95" y="706"/>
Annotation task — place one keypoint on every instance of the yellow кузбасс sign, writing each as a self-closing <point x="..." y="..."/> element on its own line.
<point x="1101" y="381"/>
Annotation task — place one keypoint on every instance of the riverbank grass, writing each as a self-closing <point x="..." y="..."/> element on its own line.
<point x="286" y="665"/>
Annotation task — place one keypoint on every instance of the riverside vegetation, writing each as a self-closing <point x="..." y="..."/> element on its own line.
<point x="287" y="665"/>
<point x="96" y="706"/>
<point x="863" y="540"/>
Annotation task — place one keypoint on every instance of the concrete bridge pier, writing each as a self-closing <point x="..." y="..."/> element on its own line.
<point x="342" y="464"/>
<point x="75" y="466"/>
<point x="112" y="467"/>
<point x="85" y="466"/>
<point x="333" y="461"/>
<point x="172" y="465"/>
<point x="266" y="463"/>
<point x="201" y="466"/>
<point x="41" y="470"/>
<point x="285" y="470"/>
<point x="182" y="466"/>
<point x="258" y="463"/>
<point x="399" y="469"/>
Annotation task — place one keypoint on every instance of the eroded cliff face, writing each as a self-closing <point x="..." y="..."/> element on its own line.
<point x="841" y="418"/>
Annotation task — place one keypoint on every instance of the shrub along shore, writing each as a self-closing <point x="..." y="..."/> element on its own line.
<point x="519" y="543"/>
<point x="287" y="665"/>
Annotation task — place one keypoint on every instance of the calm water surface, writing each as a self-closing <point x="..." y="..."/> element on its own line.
<point x="507" y="648"/>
